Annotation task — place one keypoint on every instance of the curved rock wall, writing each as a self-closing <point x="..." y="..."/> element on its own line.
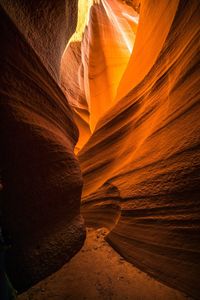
<point x="47" y="27"/>
<point x="41" y="178"/>
<point x="90" y="82"/>
<point x="141" y="164"/>
<point x="143" y="157"/>
<point x="74" y="84"/>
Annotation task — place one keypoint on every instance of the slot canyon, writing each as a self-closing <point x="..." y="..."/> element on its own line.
<point x="100" y="150"/>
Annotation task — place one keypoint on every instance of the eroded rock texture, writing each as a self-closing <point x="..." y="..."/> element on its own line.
<point x="141" y="165"/>
<point x="41" y="177"/>
<point x="97" y="63"/>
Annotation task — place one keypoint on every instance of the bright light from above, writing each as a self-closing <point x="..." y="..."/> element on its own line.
<point x="135" y="19"/>
<point x="83" y="18"/>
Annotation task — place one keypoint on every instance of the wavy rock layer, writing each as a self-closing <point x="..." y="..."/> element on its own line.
<point x="141" y="165"/>
<point x="73" y="84"/>
<point x="41" y="178"/>
<point x="90" y="82"/>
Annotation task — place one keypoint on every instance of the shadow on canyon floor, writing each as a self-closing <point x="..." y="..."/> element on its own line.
<point x="97" y="272"/>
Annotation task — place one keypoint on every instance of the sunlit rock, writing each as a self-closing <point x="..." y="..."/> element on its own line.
<point x="146" y="146"/>
<point x="99" y="60"/>
<point x="130" y="81"/>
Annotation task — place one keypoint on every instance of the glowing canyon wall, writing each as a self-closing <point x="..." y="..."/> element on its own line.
<point x="141" y="160"/>
<point x="129" y="82"/>
<point x="41" y="178"/>
<point x="99" y="59"/>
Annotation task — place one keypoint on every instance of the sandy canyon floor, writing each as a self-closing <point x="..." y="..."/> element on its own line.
<point x="97" y="272"/>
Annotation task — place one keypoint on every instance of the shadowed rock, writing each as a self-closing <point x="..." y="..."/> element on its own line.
<point x="41" y="177"/>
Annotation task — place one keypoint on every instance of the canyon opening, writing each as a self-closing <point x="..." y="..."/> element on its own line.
<point x="100" y="150"/>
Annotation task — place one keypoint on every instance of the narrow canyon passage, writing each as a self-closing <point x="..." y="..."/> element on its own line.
<point x="104" y="276"/>
<point x="100" y="149"/>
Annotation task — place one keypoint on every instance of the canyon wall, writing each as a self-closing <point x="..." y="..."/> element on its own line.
<point x="134" y="94"/>
<point x="98" y="59"/>
<point x="41" y="179"/>
<point x="141" y="165"/>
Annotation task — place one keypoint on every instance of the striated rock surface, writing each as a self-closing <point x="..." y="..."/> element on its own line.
<point x="134" y="95"/>
<point x="98" y="61"/>
<point x="41" y="179"/>
<point x="141" y="165"/>
<point x="74" y="87"/>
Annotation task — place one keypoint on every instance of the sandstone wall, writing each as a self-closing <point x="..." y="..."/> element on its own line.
<point x="41" y="178"/>
<point x="144" y="155"/>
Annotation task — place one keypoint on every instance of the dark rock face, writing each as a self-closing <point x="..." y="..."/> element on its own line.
<point x="41" y="177"/>
<point x="46" y="25"/>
